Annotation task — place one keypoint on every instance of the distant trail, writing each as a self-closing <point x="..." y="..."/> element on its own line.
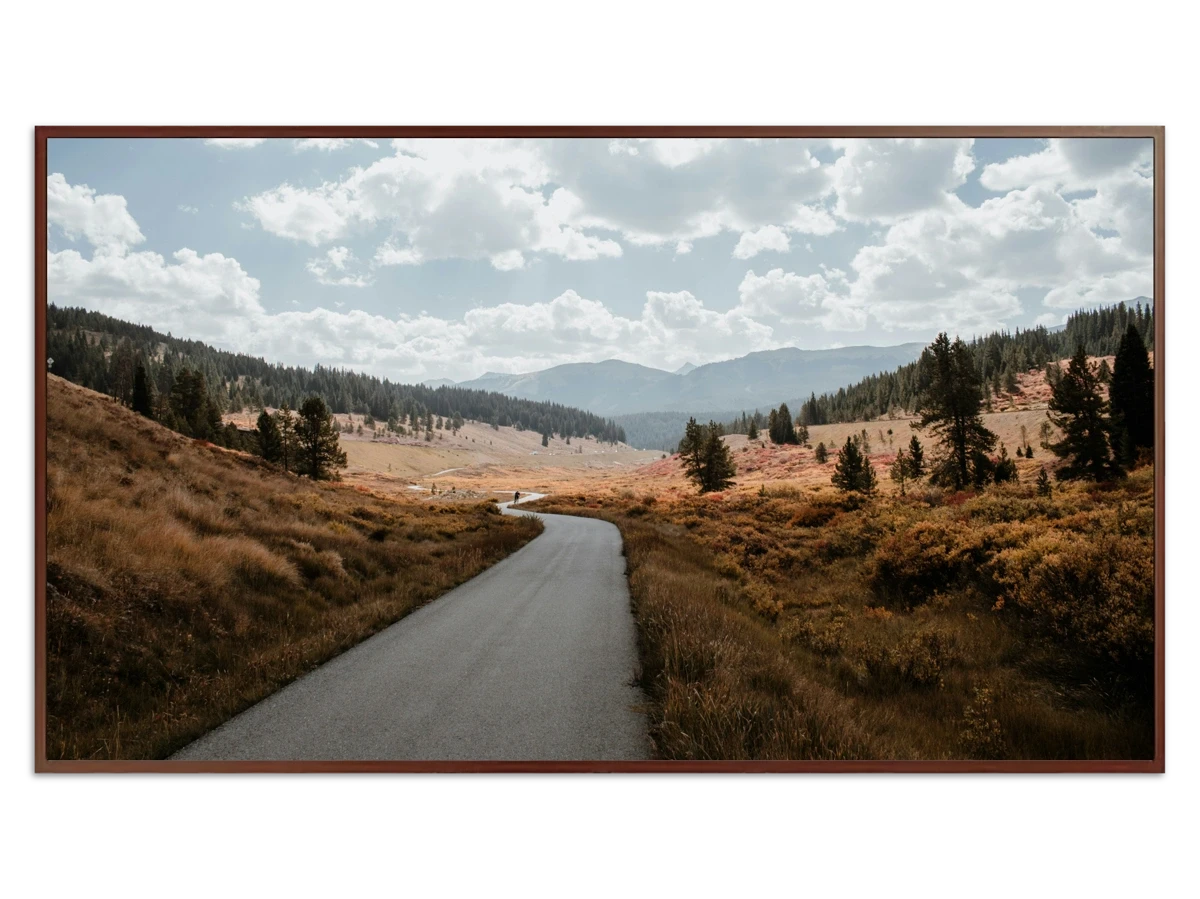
<point x="448" y="470"/>
<point x="532" y="659"/>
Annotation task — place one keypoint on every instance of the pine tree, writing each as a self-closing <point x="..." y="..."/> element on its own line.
<point x="1131" y="394"/>
<point x="782" y="430"/>
<point x="916" y="459"/>
<point x="285" y="421"/>
<point x="802" y="434"/>
<point x="268" y="437"/>
<point x="545" y="439"/>
<point x="317" y="436"/>
<point x="689" y="447"/>
<point x="901" y="468"/>
<point x="752" y="430"/>
<point x="1078" y="409"/>
<point x="1006" y="468"/>
<point x="1043" y="483"/>
<point x="848" y="472"/>
<point x="950" y="409"/>
<point x="719" y="468"/>
<point x="822" y="454"/>
<point x="143" y="402"/>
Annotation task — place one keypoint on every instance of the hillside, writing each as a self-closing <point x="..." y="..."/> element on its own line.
<point x="101" y="352"/>
<point x="186" y="582"/>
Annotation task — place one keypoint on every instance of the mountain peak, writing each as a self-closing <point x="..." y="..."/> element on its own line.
<point x="685" y="368"/>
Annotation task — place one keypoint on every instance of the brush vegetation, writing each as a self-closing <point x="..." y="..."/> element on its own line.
<point x="807" y="624"/>
<point x="186" y="582"/>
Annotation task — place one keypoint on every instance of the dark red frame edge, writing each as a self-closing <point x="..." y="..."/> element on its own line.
<point x="44" y="132"/>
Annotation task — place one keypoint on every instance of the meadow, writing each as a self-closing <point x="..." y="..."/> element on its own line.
<point x="792" y="622"/>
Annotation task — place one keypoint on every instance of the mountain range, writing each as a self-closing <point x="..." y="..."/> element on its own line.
<point x="758" y="380"/>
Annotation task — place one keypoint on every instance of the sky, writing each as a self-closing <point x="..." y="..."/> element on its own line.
<point x="422" y="259"/>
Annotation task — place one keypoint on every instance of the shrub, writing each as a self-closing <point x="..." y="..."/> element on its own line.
<point x="931" y="556"/>
<point x="982" y="736"/>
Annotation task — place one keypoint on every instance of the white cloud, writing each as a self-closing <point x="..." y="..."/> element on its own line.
<point x="234" y="143"/>
<point x="101" y="219"/>
<point x="329" y="144"/>
<point x="821" y="298"/>
<point x="886" y="180"/>
<point x="1071" y="164"/>
<point x="190" y="210"/>
<point x="770" y="237"/>
<point x="442" y="200"/>
<point x="337" y="268"/>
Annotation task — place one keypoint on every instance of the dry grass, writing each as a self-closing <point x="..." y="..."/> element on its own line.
<point x="187" y="582"/>
<point x="799" y="624"/>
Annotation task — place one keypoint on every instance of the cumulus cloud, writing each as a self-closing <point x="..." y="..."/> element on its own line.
<point x="339" y="267"/>
<point x="441" y="200"/>
<point x="101" y="219"/>
<point x="885" y="180"/>
<point x="1072" y="164"/>
<point x="234" y="143"/>
<point x="770" y="237"/>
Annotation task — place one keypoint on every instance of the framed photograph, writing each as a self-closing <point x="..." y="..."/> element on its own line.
<point x="599" y="449"/>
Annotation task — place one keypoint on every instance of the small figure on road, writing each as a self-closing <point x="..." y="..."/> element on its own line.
<point x="516" y="496"/>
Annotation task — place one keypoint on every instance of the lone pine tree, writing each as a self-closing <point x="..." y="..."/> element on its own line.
<point x="317" y="436"/>
<point x="950" y="409"/>
<point x="706" y="459"/>
<point x="853" y="472"/>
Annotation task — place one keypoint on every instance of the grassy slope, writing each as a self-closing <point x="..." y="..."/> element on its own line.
<point x="186" y="582"/>
<point x="801" y="625"/>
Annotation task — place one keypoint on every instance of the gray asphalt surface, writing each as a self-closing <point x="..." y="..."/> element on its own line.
<point x="532" y="659"/>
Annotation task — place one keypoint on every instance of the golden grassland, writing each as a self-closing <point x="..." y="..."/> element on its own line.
<point x="186" y="582"/>
<point x="794" y="623"/>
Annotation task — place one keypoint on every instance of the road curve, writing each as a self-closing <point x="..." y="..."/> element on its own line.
<point x="532" y="659"/>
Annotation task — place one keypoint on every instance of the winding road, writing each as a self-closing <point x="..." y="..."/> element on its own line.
<point x="532" y="659"/>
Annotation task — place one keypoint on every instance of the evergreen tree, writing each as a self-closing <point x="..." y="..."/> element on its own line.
<point x="782" y="430"/>
<point x="691" y="450"/>
<point x="802" y="434"/>
<point x="1006" y="468"/>
<point x="718" y="469"/>
<point x="1078" y="409"/>
<point x="1043" y="483"/>
<point x="143" y="402"/>
<point x="1131" y="394"/>
<point x="950" y="409"/>
<point x="752" y="430"/>
<point x="822" y="454"/>
<point x="317" y="436"/>
<point x="285" y="421"/>
<point x="901" y="468"/>
<point x="853" y="472"/>
<point x="545" y="439"/>
<point x="268" y="438"/>
<point x="916" y="459"/>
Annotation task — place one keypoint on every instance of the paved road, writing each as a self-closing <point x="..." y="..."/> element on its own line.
<point x="532" y="659"/>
